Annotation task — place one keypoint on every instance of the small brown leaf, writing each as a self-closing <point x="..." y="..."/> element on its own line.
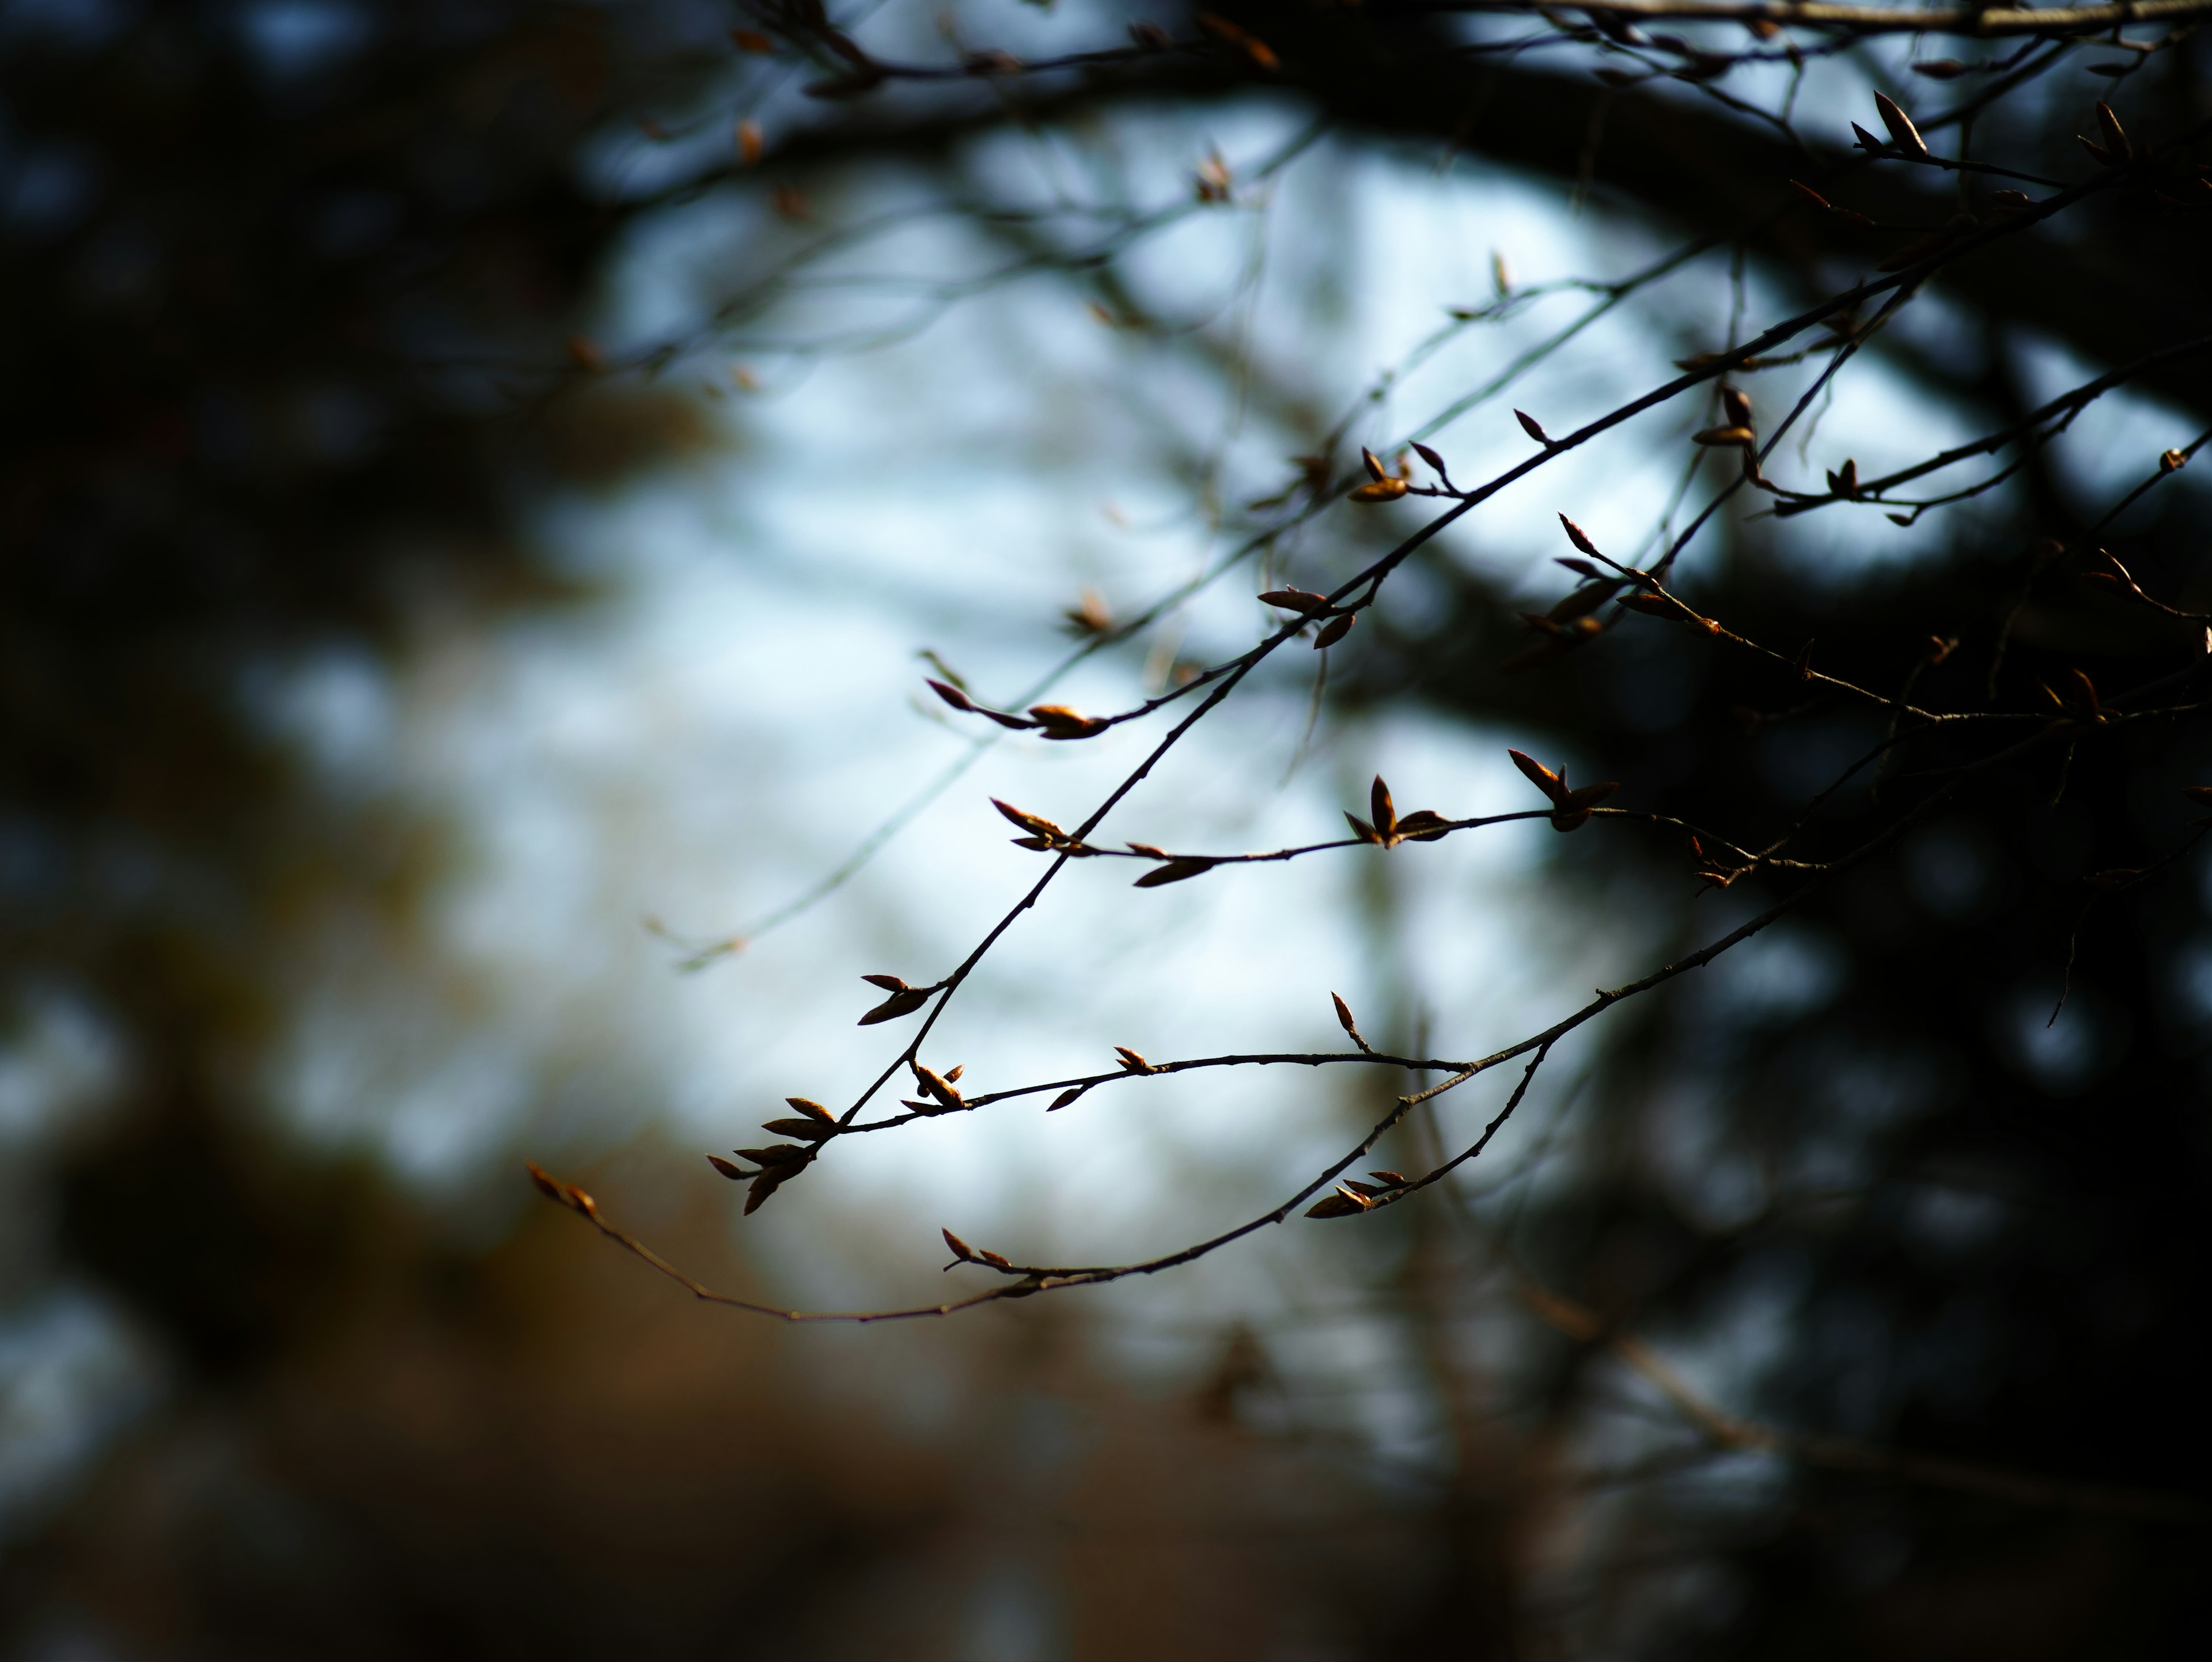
<point x="1589" y="796"/>
<point x="1373" y="463"/>
<point x="734" y="1173"/>
<point x="764" y="1185"/>
<point x="1551" y="785"/>
<point x="1900" y="127"/>
<point x="2116" y="137"/>
<point x="1029" y="822"/>
<point x="1423" y="825"/>
<point x="1175" y="871"/>
<point x="898" y="1005"/>
<point x="1020" y="724"/>
<point x="1334" y="631"/>
<point x="813" y="1130"/>
<point x="776" y="1153"/>
<point x="1580" y="538"/>
<point x="952" y="696"/>
<point x="1132" y="1061"/>
<point x="1360" y="828"/>
<point x="1380" y="490"/>
<point x="1148" y="851"/>
<point x="1380" y="806"/>
<point x="1737" y="405"/>
<point x="1340" y="1202"/>
<point x="996" y="1260"/>
<point x="937" y="1085"/>
<point x="812" y="1110"/>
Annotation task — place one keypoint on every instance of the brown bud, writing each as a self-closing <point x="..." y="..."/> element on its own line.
<point x="1360" y="828"/>
<point x="1579" y="538"/>
<point x="889" y="983"/>
<point x="1716" y="436"/>
<point x="1373" y="463"/>
<point x="1551" y="785"/>
<point x="1737" y="405"/>
<point x="776" y="1153"/>
<point x="812" y="1110"/>
<point x="1064" y="1098"/>
<point x="1132" y="1061"/>
<point x="542" y="1179"/>
<point x="2116" y="137"/>
<point x="952" y="696"/>
<point x="898" y="1005"/>
<point x="1380" y="490"/>
<point x="1340" y="1202"/>
<point x="1175" y="871"/>
<point x="1423" y="825"/>
<point x="1529" y="425"/>
<point x="961" y="1250"/>
<point x="1900" y="127"/>
<point x="1380" y="806"/>
<point x="1059" y="721"/>
<point x="1343" y="1015"/>
<point x="1436" y="462"/>
<point x="1029" y="822"/>
<point x="1294" y="599"/>
<point x="735" y="1173"/>
<point x="1334" y="631"/>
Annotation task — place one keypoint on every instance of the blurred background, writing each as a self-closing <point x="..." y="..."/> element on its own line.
<point x="484" y="485"/>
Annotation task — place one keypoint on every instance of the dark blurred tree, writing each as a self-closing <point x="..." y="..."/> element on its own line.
<point x="293" y="294"/>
